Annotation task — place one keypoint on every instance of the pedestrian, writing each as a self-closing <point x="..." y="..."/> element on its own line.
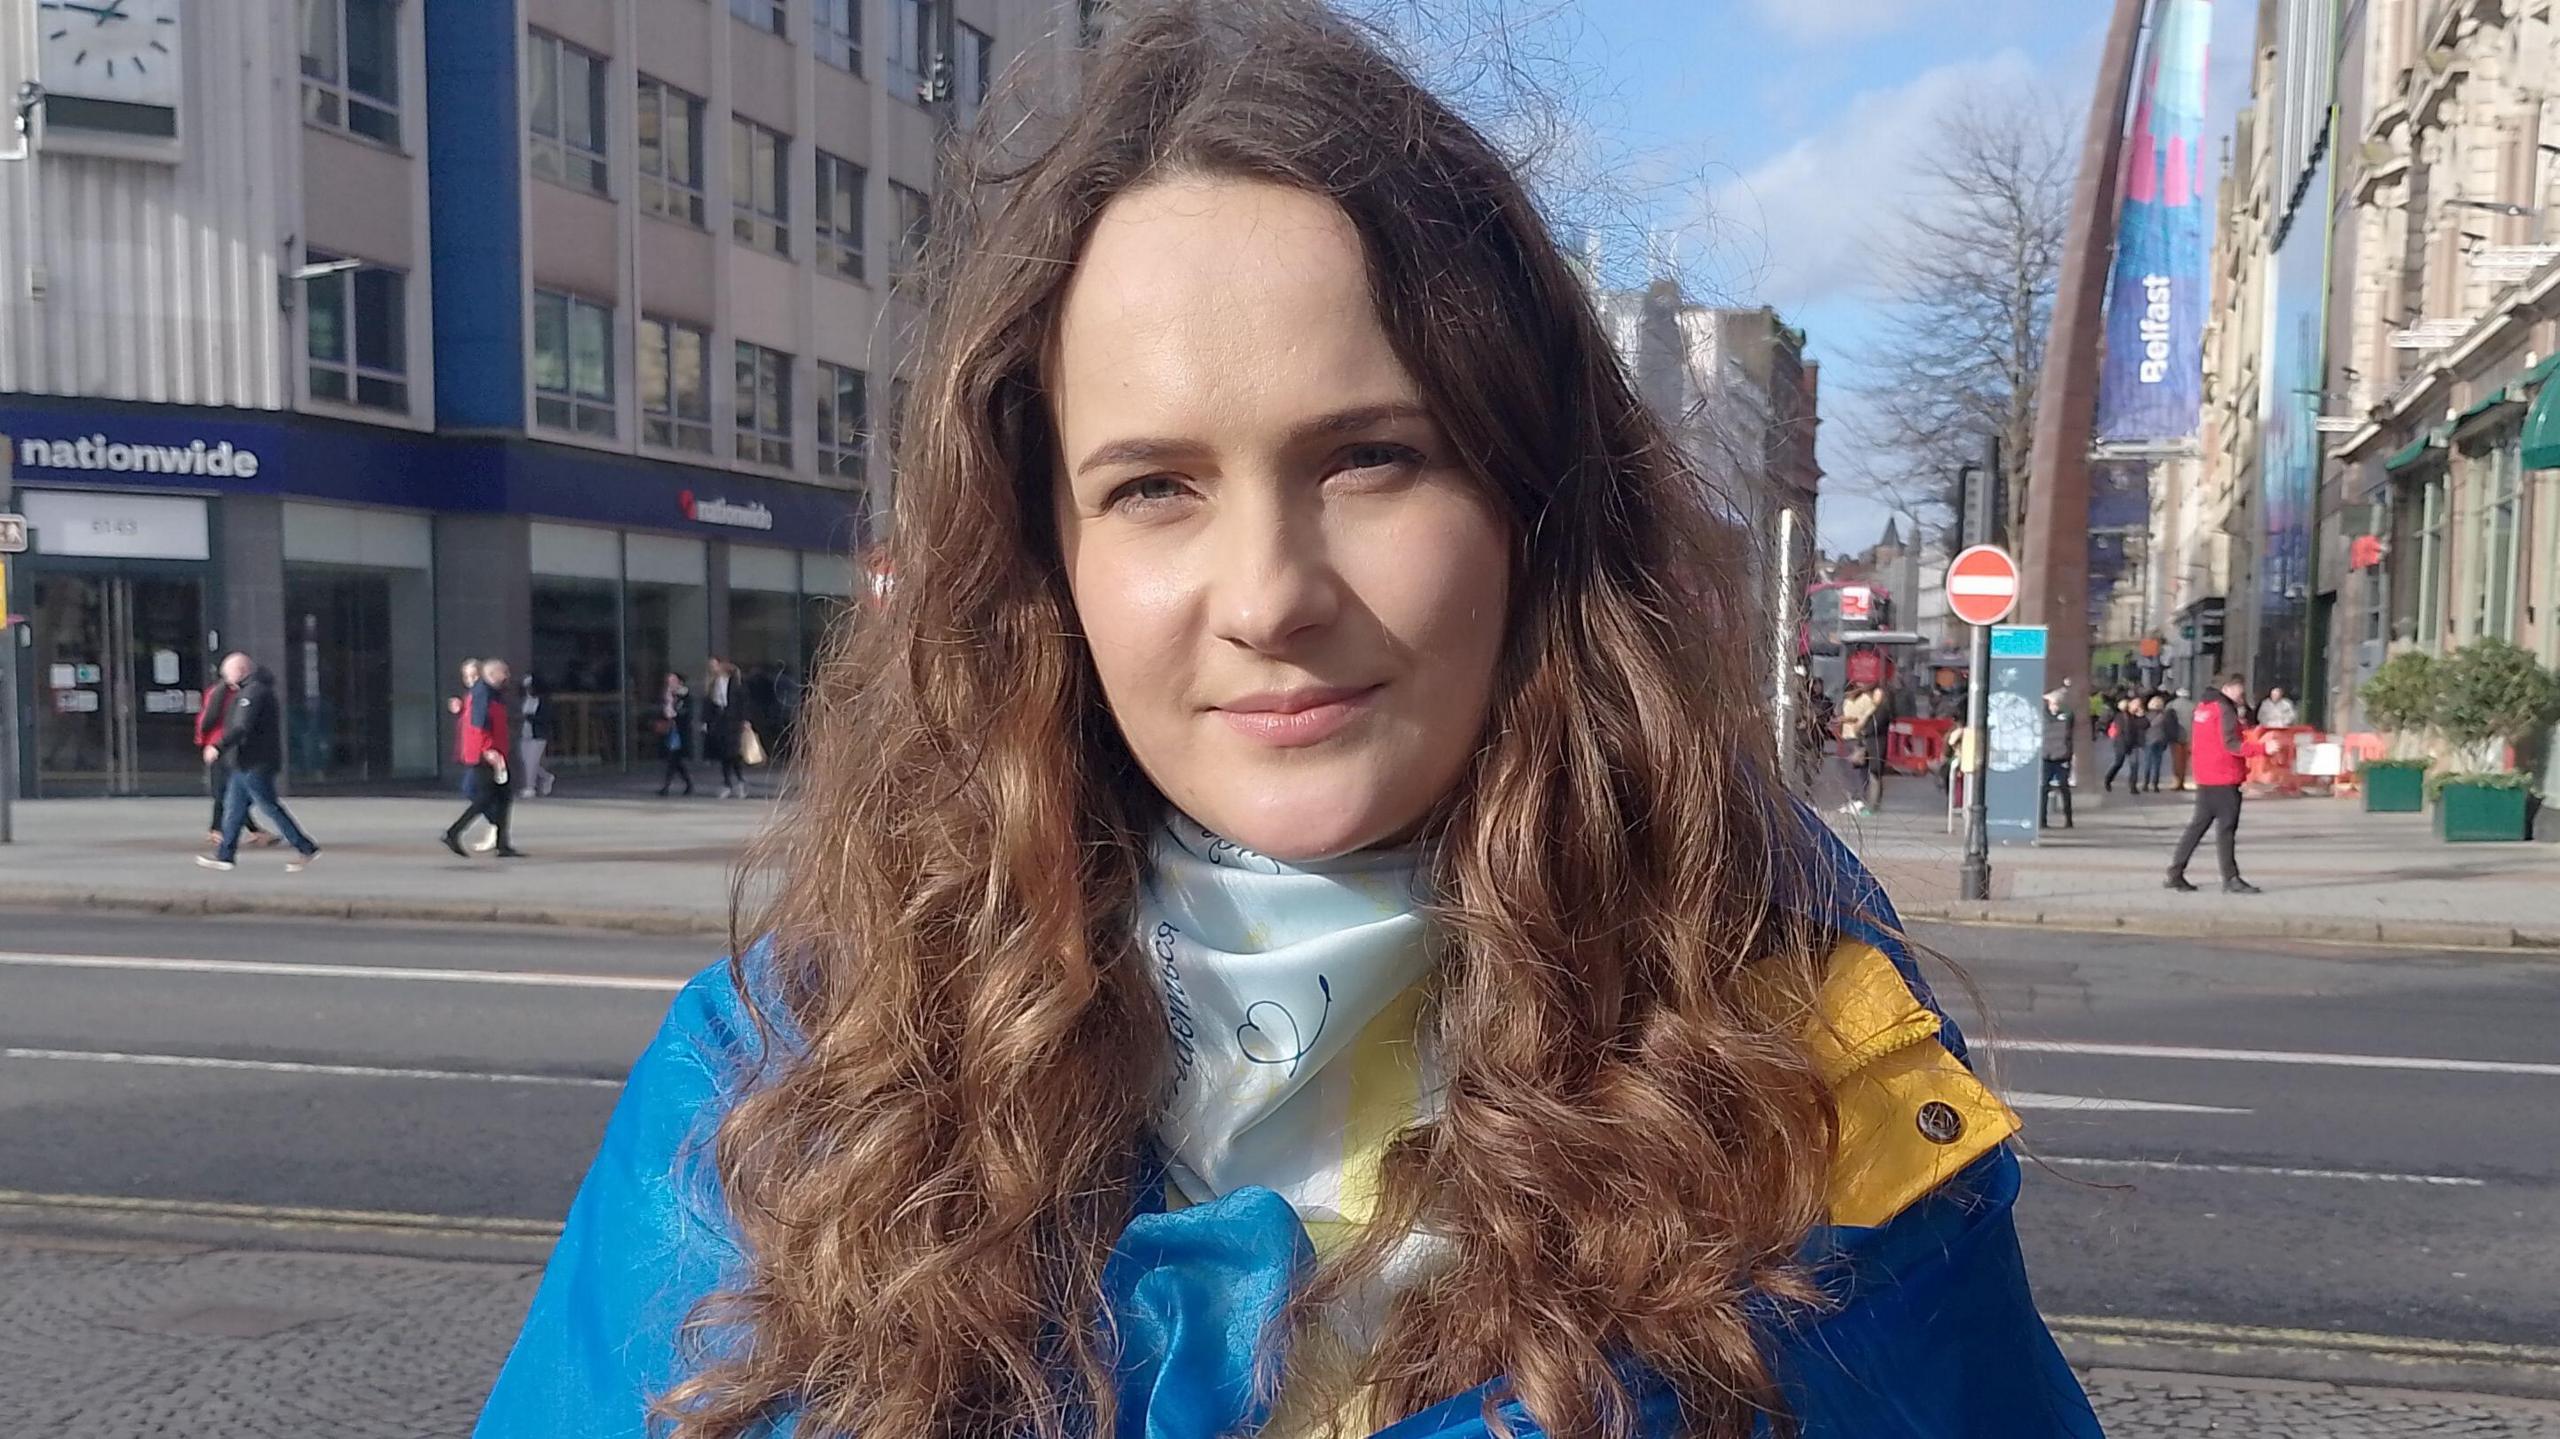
<point x="1878" y="741"/>
<point x="1174" y="792"/>
<point x="487" y="781"/>
<point x="1857" y="712"/>
<point x="2160" y="733"/>
<point x="724" y="725"/>
<point x="2182" y="708"/>
<point x="2276" y="711"/>
<point x="252" y="747"/>
<point x="458" y="705"/>
<point x="2221" y="764"/>
<point x="217" y="770"/>
<point x="674" y="727"/>
<point x="2061" y="737"/>
<point x="2124" y="736"/>
<point x="533" y="736"/>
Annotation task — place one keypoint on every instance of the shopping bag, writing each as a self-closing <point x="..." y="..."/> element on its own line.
<point x="750" y="748"/>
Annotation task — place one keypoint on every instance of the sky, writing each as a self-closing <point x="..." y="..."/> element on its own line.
<point x="1766" y="147"/>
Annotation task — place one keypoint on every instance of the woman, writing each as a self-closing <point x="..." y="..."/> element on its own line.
<point x="2124" y="734"/>
<point x="1290" y="913"/>
<point x="674" y="726"/>
<point x="2159" y="733"/>
<point x="533" y="699"/>
<point x="724" y="719"/>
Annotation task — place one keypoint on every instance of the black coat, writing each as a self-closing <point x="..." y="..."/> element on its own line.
<point x="2061" y="732"/>
<point x="253" y="733"/>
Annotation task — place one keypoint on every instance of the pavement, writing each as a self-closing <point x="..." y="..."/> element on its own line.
<point x="610" y="854"/>
<point x="2328" y="869"/>
<point x="106" y="1341"/>
<point x="2274" y="1187"/>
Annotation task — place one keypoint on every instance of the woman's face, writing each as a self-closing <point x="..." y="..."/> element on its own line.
<point x="1294" y="590"/>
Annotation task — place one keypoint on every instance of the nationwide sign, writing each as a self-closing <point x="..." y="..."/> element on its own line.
<point x="749" y="516"/>
<point x="219" y="460"/>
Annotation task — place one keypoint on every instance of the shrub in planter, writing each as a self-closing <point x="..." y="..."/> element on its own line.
<point x="2489" y="694"/>
<point x="2401" y="698"/>
<point x="2482" y="807"/>
<point x="2394" y="786"/>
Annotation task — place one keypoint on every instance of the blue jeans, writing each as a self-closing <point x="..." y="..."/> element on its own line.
<point x="2155" y="761"/>
<point x="259" y="787"/>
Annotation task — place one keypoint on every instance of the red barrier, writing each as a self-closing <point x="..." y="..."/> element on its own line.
<point x="1916" y="746"/>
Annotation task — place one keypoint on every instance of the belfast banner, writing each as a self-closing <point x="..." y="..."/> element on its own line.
<point x="2153" y="378"/>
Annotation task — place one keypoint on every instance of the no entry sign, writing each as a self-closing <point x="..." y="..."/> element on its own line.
<point x="1982" y="585"/>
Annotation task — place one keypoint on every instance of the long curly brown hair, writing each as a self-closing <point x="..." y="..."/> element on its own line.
<point x="1634" y="1141"/>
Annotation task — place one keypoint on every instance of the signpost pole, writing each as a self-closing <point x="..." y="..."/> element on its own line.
<point x="8" y="668"/>
<point x="1977" y="795"/>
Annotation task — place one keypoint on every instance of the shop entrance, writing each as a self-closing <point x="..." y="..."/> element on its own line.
<point x="119" y="675"/>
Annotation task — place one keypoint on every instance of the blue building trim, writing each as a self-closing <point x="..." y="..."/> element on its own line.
<point x="475" y="193"/>
<point x="97" y="444"/>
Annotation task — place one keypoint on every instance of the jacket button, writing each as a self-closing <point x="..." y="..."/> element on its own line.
<point x="1940" y="1123"/>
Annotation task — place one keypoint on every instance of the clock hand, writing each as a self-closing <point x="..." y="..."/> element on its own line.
<point x="71" y="5"/>
<point x="114" y="11"/>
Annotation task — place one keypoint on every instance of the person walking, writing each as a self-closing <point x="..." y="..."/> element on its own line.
<point x="252" y="748"/>
<point x="2160" y="733"/>
<point x="2277" y="711"/>
<point x="2124" y="736"/>
<point x="1857" y="708"/>
<point x="674" y="724"/>
<point x="487" y="739"/>
<point x="2061" y="738"/>
<point x="2182" y="708"/>
<point x="724" y="723"/>
<point x="217" y="771"/>
<point x="2221" y="763"/>
<point x="533" y="736"/>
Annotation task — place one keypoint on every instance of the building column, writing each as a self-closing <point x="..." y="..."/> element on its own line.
<point x="249" y="568"/>
<point x="484" y="595"/>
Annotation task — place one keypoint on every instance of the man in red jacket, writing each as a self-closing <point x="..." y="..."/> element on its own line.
<point x="209" y="720"/>
<point x="2221" y="763"/>
<point x="487" y="738"/>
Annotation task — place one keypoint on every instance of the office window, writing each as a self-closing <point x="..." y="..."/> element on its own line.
<point x="896" y="435"/>
<point x="670" y="143"/>
<point x="764" y="405"/>
<point x="564" y="108"/>
<point x="975" y="69"/>
<point x="773" y="16"/>
<point x="675" y="385"/>
<point x="356" y="329"/>
<point x="760" y="186"/>
<point x="844" y="421"/>
<point x="572" y="364"/>
<point x="351" y="66"/>
<point x="2431" y="558"/>
<point x="2501" y="474"/>
<point x="840" y="183"/>
<point x="912" y="31"/>
<point x="837" y="28"/>
<point x="915" y="227"/>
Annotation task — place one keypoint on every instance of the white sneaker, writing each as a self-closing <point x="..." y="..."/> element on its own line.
<point x="724" y="792"/>
<point x="486" y="843"/>
<point x="209" y="862"/>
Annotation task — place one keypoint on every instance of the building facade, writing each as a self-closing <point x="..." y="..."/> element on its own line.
<point x="368" y="335"/>
<point x="1743" y="402"/>
<point x="2448" y="481"/>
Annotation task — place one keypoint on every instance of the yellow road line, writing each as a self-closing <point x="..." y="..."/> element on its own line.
<point x="2185" y="1331"/>
<point x="284" y="1216"/>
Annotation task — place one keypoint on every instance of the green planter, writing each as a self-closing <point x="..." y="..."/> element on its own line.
<point x="2467" y="813"/>
<point x="2395" y="789"/>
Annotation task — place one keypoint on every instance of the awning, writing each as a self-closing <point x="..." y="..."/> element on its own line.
<point x="2539" y="373"/>
<point x="2494" y="399"/>
<point x="2418" y="449"/>
<point x="2542" y="430"/>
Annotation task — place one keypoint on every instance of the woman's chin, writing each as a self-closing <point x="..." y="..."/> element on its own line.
<point x="1308" y="825"/>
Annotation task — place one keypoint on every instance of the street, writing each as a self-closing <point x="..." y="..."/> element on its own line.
<point x="239" y="1149"/>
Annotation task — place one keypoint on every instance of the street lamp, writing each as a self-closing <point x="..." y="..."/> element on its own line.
<point x="301" y="273"/>
<point x="2498" y="207"/>
<point x="30" y="95"/>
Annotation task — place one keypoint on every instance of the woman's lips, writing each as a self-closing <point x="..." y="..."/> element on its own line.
<point x="1296" y="718"/>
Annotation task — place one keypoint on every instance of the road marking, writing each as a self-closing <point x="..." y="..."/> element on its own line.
<point x="284" y="1215"/>
<point x="536" y="978"/>
<point x="2031" y="1099"/>
<point x="2179" y="1166"/>
<point x="2273" y="1056"/>
<point x="2188" y="1331"/>
<point x="286" y="1066"/>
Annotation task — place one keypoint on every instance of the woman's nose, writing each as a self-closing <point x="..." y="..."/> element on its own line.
<point x="1274" y="583"/>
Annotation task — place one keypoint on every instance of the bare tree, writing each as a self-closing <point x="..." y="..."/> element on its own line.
<point x="1968" y="300"/>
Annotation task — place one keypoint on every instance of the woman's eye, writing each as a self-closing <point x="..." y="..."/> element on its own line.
<point x="1379" y="455"/>
<point x="1154" y="489"/>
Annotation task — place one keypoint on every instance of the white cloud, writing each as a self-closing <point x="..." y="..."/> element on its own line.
<point x="1826" y="209"/>
<point x="1809" y="22"/>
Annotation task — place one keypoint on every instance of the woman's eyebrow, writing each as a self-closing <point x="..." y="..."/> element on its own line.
<point x="1148" y="450"/>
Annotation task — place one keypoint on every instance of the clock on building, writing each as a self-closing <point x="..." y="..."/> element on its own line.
<point x="110" y="65"/>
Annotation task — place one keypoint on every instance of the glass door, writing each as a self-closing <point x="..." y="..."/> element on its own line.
<point x="119" y="676"/>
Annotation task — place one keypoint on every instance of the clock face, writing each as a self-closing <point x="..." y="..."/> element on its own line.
<point x="123" y="50"/>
